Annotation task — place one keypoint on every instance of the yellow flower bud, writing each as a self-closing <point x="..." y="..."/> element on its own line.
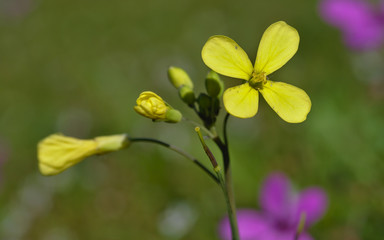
<point x="57" y="152"/>
<point x="152" y="106"/>
<point x="179" y="78"/>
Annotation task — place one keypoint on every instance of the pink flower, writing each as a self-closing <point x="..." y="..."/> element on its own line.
<point x="360" y="22"/>
<point x="280" y="213"/>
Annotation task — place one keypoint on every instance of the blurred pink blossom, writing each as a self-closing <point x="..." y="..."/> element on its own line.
<point x="360" y="22"/>
<point x="280" y="214"/>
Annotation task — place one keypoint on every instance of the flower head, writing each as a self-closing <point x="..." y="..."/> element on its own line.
<point x="57" y="152"/>
<point x="281" y="212"/>
<point x="152" y="106"/>
<point x="361" y="23"/>
<point x="278" y="44"/>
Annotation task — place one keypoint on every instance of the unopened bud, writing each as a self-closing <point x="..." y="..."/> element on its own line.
<point x="152" y="106"/>
<point x="179" y="78"/>
<point x="214" y="85"/>
<point x="187" y="95"/>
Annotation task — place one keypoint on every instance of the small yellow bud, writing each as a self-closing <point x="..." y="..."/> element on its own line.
<point x="152" y="106"/>
<point x="179" y="78"/>
<point x="57" y="152"/>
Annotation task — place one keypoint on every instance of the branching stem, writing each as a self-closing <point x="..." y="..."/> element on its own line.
<point x="179" y="151"/>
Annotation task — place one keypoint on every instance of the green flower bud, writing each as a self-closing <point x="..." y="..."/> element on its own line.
<point x="179" y="78"/>
<point x="187" y="95"/>
<point x="214" y="85"/>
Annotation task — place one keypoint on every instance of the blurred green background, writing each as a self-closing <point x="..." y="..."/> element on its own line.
<point x="77" y="67"/>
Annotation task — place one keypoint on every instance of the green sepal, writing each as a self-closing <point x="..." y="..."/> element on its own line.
<point x="187" y="95"/>
<point x="173" y="116"/>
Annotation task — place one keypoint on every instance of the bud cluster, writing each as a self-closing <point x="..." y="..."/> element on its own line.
<point x="207" y="105"/>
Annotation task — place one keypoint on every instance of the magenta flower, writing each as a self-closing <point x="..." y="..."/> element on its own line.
<point x="360" y="22"/>
<point x="280" y="214"/>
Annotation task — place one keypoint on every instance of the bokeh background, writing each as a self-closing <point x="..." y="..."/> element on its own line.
<point x="77" y="67"/>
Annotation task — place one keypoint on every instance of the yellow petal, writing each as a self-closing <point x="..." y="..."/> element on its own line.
<point x="241" y="101"/>
<point x="225" y="56"/>
<point x="57" y="152"/>
<point x="278" y="44"/>
<point x="291" y="103"/>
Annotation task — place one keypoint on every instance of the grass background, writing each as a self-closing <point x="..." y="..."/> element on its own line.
<point x="77" y="67"/>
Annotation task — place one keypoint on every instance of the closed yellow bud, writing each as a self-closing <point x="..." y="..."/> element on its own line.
<point x="152" y="106"/>
<point x="179" y="78"/>
<point x="57" y="152"/>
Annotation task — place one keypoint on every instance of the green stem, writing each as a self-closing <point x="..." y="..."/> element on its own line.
<point x="224" y="151"/>
<point x="225" y="129"/>
<point x="226" y="184"/>
<point x="179" y="151"/>
<point x="230" y="209"/>
<point x="231" y="202"/>
<point x="223" y="146"/>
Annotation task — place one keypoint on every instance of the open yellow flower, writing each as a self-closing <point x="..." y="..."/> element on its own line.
<point x="278" y="44"/>
<point x="57" y="152"/>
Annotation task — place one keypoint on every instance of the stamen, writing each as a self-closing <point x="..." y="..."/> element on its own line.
<point x="257" y="80"/>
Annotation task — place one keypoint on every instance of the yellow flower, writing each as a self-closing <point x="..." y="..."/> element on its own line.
<point x="57" y="152"/>
<point x="278" y="44"/>
<point x="152" y="106"/>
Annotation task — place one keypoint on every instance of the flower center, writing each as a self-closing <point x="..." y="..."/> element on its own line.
<point x="257" y="80"/>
